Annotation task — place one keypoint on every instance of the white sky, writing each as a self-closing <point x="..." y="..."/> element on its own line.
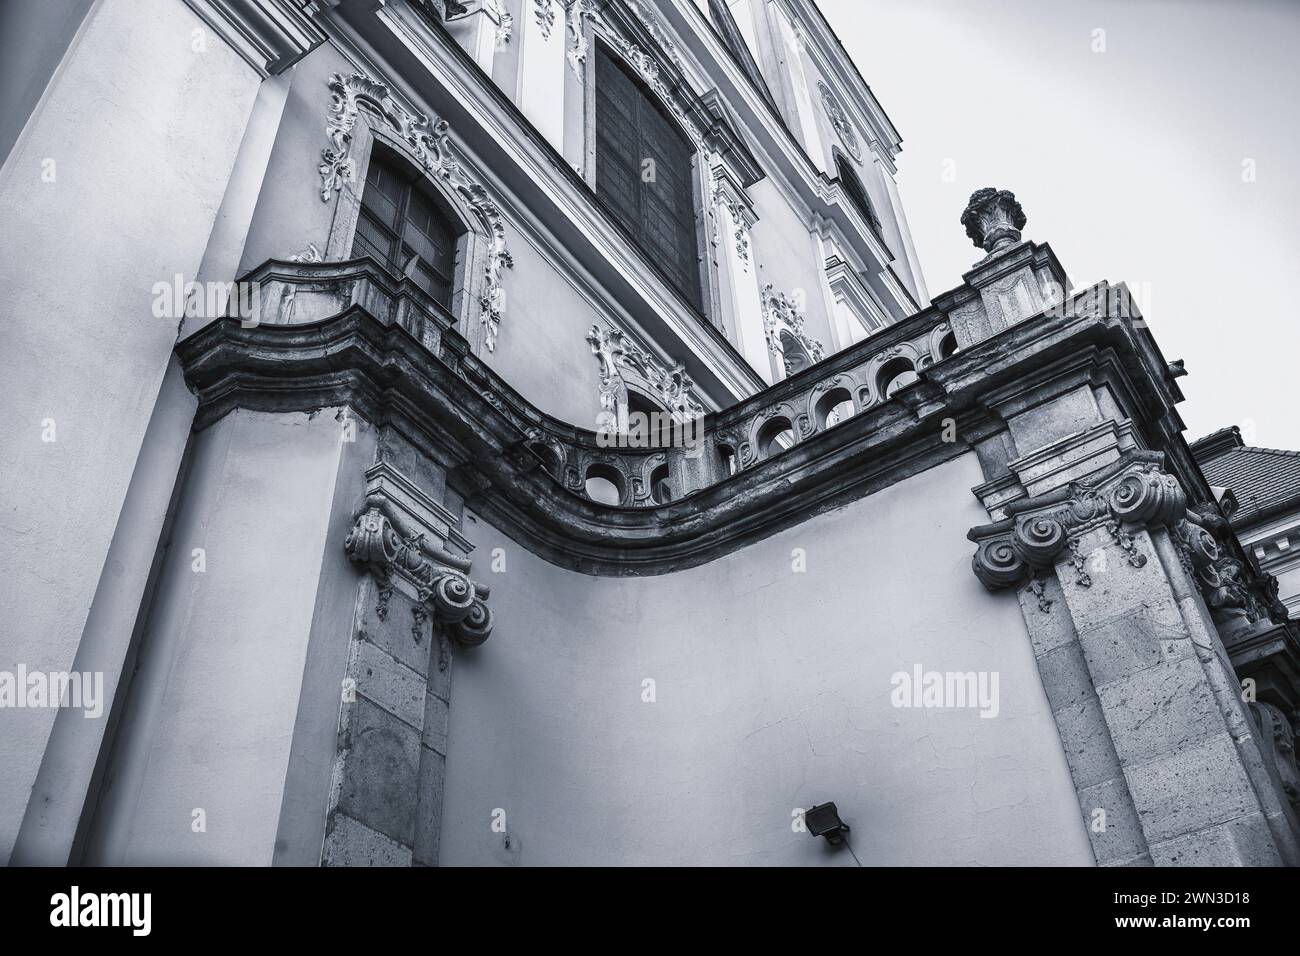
<point x="1129" y="162"/>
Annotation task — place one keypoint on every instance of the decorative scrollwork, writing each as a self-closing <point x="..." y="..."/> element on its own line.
<point x="439" y="577"/>
<point x="1134" y="493"/>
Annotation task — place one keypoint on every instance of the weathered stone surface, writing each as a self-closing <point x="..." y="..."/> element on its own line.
<point x="1065" y="677"/>
<point x="1190" y="790"/>
<point x="428" y="828"/>
<point x="436" y="714"/>
<point x="351" y="843"/>
<point x="1122" y="840"/>
<point x="1159" y="709"/>
<point x="394" y="631"/>
<point x="1087" y="744"/>
<point x="1131" y="641"/>
<point x="390" y="684"/>
<point x="1245" y="841"/>
<point x="381" y="772"/>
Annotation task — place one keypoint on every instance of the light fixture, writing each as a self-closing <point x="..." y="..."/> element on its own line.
<point x="824" y="820"/>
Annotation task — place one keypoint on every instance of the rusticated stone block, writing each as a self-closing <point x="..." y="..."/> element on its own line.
<point x="381" y="772"/>
<point x="1190" y="790"/>
<point x="390" y="684"/>
<point x="440" y="661"/>
<point x="351" y="843"/>
<point x="1121" y="841"/>
<point x="1245" y="841"/>
<point x="436" y="715"/>
<point x="1140" y="637"/>
<point x="396" y="624"/>
<point x="1065" y="676"/>
<point x="1086" y="741"/>
<point x="1159" y="709"/>
<point x="428" y="826"/>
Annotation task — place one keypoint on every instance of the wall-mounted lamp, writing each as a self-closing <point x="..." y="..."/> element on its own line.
<point x="824" y="820"/>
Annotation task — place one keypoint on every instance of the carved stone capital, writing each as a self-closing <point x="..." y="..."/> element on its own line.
<point x="993" y="219"/>
<point x="379" y="543"/>
<point x="1134" y="493"/>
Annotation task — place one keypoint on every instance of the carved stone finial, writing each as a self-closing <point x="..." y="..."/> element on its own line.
<point x="993" y="219"/>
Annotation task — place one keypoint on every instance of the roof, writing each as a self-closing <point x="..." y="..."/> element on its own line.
<point x="1266" y="481"/>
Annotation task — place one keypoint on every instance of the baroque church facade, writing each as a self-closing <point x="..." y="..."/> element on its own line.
<point x="517" y="432"/>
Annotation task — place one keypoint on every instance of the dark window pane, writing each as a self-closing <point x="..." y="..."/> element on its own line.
<point x="644" y="172"/>
<point x="403" y="226"/>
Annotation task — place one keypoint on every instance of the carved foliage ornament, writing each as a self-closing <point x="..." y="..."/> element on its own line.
<point x="1137" y="494"/>
<point x="544" y="14"/>
<point x="430" y="145"/>
<point x="439" y="576"/>
<point x="622" y="360"/>
<point x="780" y="316"/>
<point x="843" y="128"/>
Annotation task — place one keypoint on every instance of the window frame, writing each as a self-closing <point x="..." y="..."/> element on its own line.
<point x="708" y="308"/>
<point x="413" y="181"/>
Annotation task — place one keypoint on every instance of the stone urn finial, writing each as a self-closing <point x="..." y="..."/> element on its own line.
<point x="993" y="219"/>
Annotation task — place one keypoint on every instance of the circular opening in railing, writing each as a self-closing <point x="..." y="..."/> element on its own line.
<point x="894" y="375"/>
<point x="775" y="436"/>
<point x="604" y="484"/>
<point x="834" y="407"/>
<point x="947" y="346"/>
<point x="659" y="489"/>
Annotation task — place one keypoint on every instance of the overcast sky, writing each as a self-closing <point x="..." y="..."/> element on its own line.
<point x="1131" y="162"/>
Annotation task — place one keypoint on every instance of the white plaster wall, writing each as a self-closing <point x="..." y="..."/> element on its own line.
<point x="772" y="694"/>
<point x="142" y="130"/>
<point x="785" y="254"/>
<point x="210" y="720"/>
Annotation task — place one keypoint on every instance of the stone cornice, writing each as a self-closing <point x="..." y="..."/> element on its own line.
<point x="271" y="35"/>
<point x="392" y="362"/>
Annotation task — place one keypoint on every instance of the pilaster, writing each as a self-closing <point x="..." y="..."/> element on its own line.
<point x="1131" y="663"/>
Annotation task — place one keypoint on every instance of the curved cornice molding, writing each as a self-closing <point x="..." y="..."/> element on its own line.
<point x="376" y="346"/>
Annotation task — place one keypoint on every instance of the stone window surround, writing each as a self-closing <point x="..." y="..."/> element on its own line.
<point x="471" y="292"/>
<point x="648" y="63"/>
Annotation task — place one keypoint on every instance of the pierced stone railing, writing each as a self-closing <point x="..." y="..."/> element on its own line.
<point x="646" y="470"/>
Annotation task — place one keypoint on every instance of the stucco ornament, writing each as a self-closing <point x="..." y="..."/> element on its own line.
<point x="544" y="14"/>
<point x="784" y="327"/>
<point x="993" y="219"/>
<point x="843" y="127"/>
<point x="429" y="144"/>
<point x="623" y="363"/>
<point x="439" y="577"/>
<point x="1038" y="531"/>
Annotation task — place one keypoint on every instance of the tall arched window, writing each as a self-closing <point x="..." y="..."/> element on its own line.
<point x="643" y="172"/>
<point x="403" y="225"/>
<point x="858" y="194"/>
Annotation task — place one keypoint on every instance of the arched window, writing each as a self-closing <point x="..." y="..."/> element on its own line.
<point x="644" y="173"/>
<point x="857" y="194"/>
<point x="404" y="226"/>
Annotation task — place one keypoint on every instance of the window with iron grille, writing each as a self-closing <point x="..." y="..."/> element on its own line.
<point x="403" y="226"/>
<point x="644" y="174"/>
